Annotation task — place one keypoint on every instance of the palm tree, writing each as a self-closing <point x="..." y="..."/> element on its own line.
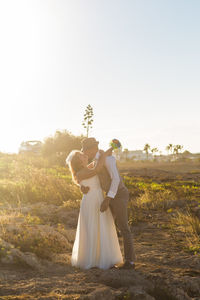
<point x="169" y="148"/>
<point x="154" y="150"/>
<point x="176" y="149"/>
<point x="146" y="149"/>
<point x="180" y="147"/>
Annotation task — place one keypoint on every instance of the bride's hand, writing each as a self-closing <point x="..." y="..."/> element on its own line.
<point x="101" y="152"/>
<point x="109" y="152"/>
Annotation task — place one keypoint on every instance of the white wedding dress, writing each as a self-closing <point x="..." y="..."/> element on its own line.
<point x="96" y="242"/>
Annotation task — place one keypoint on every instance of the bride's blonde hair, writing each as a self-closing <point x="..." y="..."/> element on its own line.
<point x="74" y="163"/>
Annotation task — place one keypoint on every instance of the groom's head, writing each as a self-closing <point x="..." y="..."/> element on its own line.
<point x="90" y="147"/>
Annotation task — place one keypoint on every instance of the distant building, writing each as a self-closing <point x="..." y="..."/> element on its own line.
<point x="135" y="155"/>
<point x="162" y="158"/>
<point x="140" y="155"/>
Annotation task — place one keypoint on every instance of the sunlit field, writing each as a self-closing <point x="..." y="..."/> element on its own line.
<point x="40" y="204"/>
<point x="126" y="75"/>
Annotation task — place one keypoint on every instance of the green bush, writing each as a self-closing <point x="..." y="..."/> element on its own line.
<point x="28" y="179"/>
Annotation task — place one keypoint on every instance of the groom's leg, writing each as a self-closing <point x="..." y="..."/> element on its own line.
<point x="119" y="209"/>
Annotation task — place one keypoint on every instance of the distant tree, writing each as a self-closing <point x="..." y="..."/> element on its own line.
<point x="154" y="151"/>
<point x="169" y="148"/>
<point x="187" y="153"/>
<point x="180" y="147"/>
<point x="146" y="149"/>
<point x="57" y="147"/>
<point x="176" y="149"/>
<point x="88" y="119"/>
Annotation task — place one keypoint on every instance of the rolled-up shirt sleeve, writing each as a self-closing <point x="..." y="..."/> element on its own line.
<point x="115" y="180"/>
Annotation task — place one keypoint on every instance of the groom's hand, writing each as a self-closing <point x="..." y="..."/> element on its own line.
<point x="105" y="204"/>
<point x="85" y="189"/>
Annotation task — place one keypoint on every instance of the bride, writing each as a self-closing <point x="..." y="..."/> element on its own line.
<point x="96" y="242"/>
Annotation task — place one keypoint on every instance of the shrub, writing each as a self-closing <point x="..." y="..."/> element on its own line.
<point x="189" y="225"/>
<point x="28" y="181"/>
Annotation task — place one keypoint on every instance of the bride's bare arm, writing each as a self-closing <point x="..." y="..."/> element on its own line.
<point x="87" y="172"/>
<point x="91" y="165"/>
<point x="109" y="151"/>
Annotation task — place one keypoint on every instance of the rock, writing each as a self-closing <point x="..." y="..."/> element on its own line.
<point x="61" y="258"/>
<point x="192" y="262"/>
<point x="137" y="293"/>
<point x="68" y="217"/>
<point x="70" y="234"/>
<point x="16" y="255"/>
<point x="45" y="231"/>
<point x="39" y="208"/>
<point x="179" y="294"/>
<point x="196" y="211"/>
<point x="100" y="294"/>
<point x="124" y="278"/>
<point x="170" y="290"/>
<point x="192" y="285"/>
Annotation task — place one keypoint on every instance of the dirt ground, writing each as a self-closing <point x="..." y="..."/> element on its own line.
<point x="160" y="260"/>
<point x="162" y="171"/>
<point x="164" y="270"/>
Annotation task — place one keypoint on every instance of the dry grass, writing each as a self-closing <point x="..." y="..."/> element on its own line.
<point x="26" y="233"/>
<point x="32" y="194"/>
<point x="176" y="166"/>
<point x="189" y="225"/>
<point x="175" y="199"/>
<point x="30" y="180"/>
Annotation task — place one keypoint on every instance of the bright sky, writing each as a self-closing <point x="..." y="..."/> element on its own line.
<point x="137" y="62"/>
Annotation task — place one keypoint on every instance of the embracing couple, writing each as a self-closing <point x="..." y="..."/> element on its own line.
<point x="96" y="242"/>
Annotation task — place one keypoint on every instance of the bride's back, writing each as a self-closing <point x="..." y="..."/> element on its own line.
<point x="92" y="182"/>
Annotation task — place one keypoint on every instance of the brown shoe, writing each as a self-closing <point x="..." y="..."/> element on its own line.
<point x="114" y="267"/>
<point x="127" y="266"/>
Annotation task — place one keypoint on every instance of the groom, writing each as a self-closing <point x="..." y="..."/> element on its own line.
<point x="117" y="197"/>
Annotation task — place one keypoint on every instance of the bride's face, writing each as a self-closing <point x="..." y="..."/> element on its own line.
<point x="83" y="159"/>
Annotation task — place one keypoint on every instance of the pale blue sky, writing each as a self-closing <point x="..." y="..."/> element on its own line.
<point x="137" y="62"/>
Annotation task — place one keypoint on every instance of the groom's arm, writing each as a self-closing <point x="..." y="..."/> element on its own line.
<point x="115" y="180"/>
<point x="114" y="174"/>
